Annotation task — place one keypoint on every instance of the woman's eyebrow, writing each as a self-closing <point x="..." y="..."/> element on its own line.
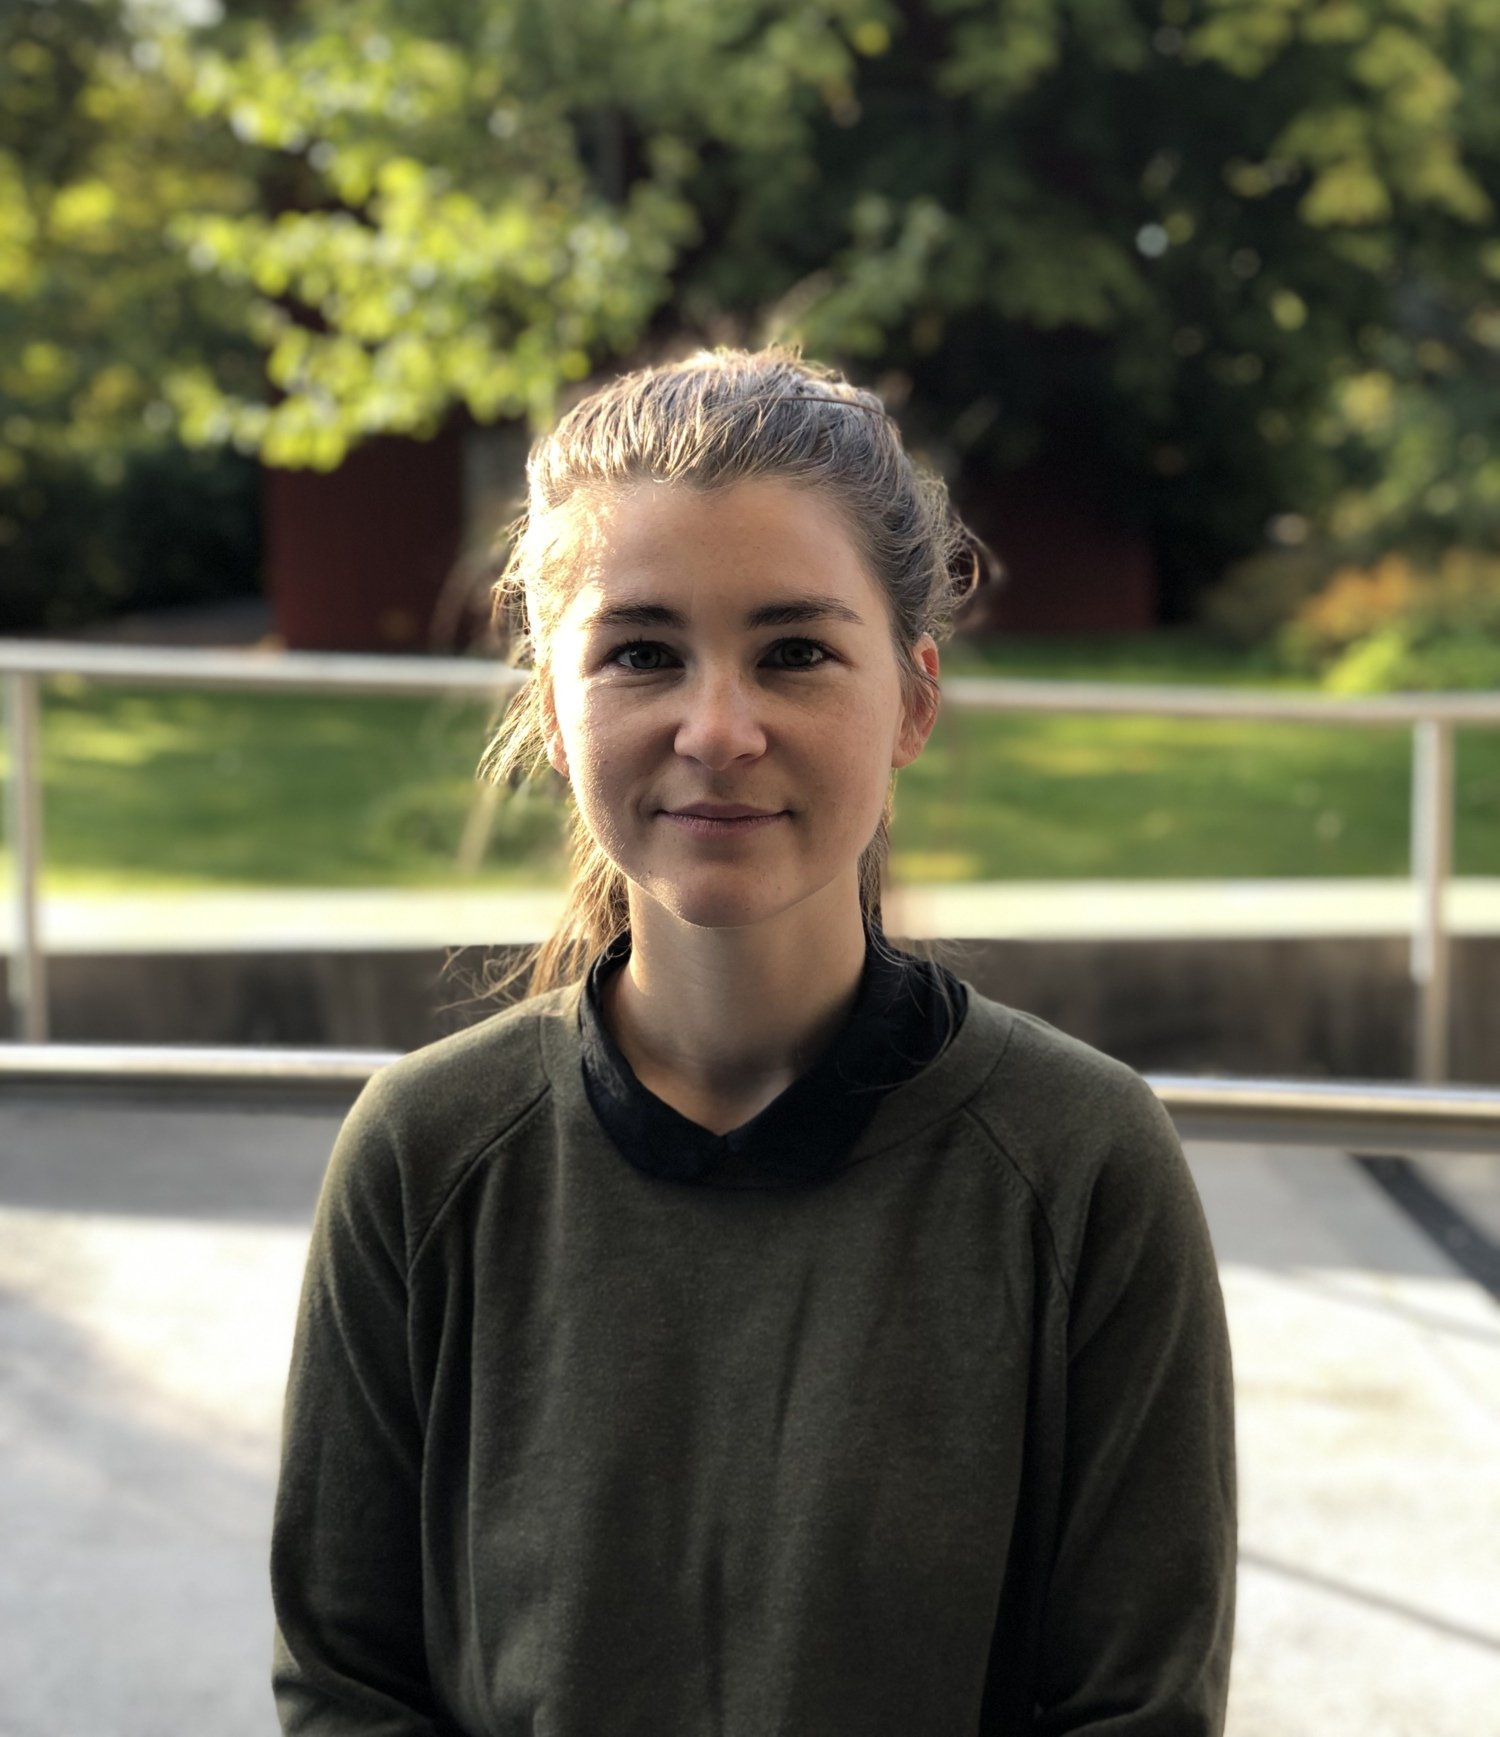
<point x="794" y="609"/>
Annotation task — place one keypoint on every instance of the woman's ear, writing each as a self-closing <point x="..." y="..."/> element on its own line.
<point x="557" y="757"/>
<point x="920" y="706"/>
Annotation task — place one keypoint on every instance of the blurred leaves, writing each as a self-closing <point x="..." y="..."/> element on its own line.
<point x="97" y="150"/>
<point x="1228" y="259"/>
<point x="170" y="528"/>
<point x="487" y="205"/>
<point x="1400" y="626"/>
<point x="1257" y="596"/>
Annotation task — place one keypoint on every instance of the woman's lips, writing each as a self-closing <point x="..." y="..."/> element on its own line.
<point x="705" y="826"/>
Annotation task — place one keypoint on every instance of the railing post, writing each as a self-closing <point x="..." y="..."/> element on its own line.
<point x="28" y="963"/>
<point x="1431" y="866"/>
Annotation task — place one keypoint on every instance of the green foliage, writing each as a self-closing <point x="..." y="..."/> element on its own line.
<point x="100" y="506"/>
<point x="1398" y="627"/>
<point x="97" y="152"/>
<point x="168" y="528"/>
<point x="1404" y="660"/>
<point x="485" y="206"/>
<point x="1226" y="258"/>
<point x="1259" y="595"/>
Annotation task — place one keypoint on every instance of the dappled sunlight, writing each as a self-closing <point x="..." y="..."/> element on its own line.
<point x="110" y="742"/>
<point x="1104" y="758"/>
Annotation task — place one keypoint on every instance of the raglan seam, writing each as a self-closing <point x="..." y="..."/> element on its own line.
<point x="1003" y="1151"/>
<point x="959" y="1108"/>
<point x="433" y="1212"/>
<point x="466" y="1169"/>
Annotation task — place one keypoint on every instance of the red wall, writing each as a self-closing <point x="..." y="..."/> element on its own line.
<point x="356" y="558"/>
<point x="1067" y="568"/>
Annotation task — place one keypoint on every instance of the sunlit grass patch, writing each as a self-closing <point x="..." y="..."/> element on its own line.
<point x="173" y="789"/>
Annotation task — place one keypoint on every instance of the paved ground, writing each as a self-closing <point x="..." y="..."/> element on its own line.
<point x="149" y="1263"/>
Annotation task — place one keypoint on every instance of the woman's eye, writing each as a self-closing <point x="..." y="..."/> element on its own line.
<point x="801" y="653"/>
<point x="647" y="656"/>
<point x="643" y="656"/>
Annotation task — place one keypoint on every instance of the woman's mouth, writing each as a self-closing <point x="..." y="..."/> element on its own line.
<point x="719" y="826"/>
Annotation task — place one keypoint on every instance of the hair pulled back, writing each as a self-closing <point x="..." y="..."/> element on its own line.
<point x="718" y="418"/>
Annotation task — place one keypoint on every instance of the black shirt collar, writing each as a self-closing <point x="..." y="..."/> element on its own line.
<point x="900" y="1021"/>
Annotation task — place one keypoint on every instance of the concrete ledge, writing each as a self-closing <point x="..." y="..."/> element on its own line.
<point x="1186" y="909"/>
<point x="1338" y="1007"/>
<point x="279" y="919"/>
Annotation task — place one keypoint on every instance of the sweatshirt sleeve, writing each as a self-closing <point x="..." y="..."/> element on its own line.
<point x="1139" y="1615"/>
<point x="346" y="1572"/>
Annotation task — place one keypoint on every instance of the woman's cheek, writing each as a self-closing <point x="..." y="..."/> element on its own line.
<point x="600" y="732"/>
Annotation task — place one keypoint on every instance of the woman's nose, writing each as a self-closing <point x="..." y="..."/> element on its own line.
<point x="720" y="722"/>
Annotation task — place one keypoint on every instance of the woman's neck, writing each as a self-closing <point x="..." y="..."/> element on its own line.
<point x="718" y="1022"/>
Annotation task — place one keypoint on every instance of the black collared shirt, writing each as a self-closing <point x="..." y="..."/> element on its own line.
<point x="904" y="1013"/>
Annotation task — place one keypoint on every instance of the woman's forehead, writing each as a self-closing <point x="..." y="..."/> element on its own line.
<point x="712" y="548"/>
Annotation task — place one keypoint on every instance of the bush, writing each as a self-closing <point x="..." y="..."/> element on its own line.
<point x="1395" y="626"/>
<point x="1257" y="596"/>
<point x="174" y="527"/>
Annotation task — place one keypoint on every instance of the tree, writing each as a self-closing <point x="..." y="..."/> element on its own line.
<point x="98" y="503"/>
<point x="1229" y="258"/>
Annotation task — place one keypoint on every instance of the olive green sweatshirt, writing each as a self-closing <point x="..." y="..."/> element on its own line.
<point x="939" y="1444"/>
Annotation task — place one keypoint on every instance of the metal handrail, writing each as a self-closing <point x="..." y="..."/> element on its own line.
<point x="1002" y="694"/>
<point x="1357" y="1115"/>
<point x="1432" y="719"/>
<point x="307" y="672"/>
<point x="1329" y="1114"/>
<point x="222" y="1065"/>
<point x="382" y="673"/>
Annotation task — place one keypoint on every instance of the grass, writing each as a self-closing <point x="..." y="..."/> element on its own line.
<point x="166" y="789"/>
<point x="174" y="789"/>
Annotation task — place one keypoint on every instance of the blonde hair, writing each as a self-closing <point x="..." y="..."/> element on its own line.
<point x="719" y="418"/>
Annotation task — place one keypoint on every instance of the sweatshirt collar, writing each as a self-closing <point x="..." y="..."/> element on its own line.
<point x="900" y="1021"/>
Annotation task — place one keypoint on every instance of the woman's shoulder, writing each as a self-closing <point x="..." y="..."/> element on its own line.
<point x="507" y="1047"/>
<point x="1043" y="1074"/>
<point x="1066" y="1115"/>
<point x="438" y="1107"/>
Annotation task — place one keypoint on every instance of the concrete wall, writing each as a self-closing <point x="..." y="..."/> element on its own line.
<point x="1337" y="1008"/>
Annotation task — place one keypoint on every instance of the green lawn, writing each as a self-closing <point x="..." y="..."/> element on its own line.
<point x="169" y="789"/>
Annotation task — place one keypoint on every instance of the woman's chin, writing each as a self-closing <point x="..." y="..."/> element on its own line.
<point x="739" y="898"/>
<point x="725" y="906"/>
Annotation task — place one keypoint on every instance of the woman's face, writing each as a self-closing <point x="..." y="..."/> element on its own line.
<point x="727" y="649"/>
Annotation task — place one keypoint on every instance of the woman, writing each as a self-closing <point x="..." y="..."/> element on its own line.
<point x="754" y="1330"/>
